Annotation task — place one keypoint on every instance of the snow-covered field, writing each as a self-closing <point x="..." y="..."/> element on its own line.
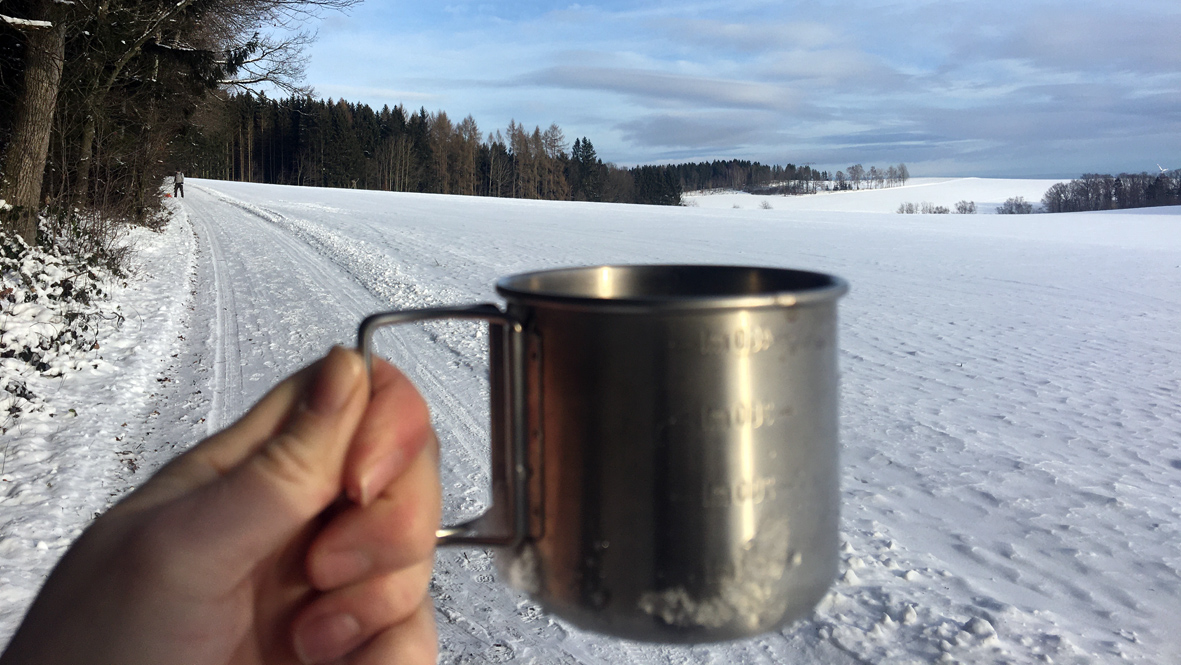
<point x="1011" y="416"/>
<point x="986" y="193"/>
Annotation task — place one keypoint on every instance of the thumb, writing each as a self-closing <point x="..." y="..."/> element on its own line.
<point x="285" y="482"/>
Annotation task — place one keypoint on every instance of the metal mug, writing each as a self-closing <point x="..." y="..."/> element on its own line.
<point x="664" y="445"/>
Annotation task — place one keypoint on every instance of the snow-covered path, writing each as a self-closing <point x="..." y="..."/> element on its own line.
<point x="260" y="283"/>
<point x="1011" y="414"/>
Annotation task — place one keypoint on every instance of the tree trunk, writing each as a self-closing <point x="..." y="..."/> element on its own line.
<point x="24" y="159"/>
<point x="85" y="152"/>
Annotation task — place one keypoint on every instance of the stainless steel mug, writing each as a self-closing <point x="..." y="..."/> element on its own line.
<point x="664" y="445"/>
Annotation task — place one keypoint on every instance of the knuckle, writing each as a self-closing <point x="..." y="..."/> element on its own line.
<point x="291" y="461"/>
<point x="410" y="533"/>
<point x="412" y="407"/>
<point x="403" y="592"/>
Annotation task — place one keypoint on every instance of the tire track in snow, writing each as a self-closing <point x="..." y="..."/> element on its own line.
<point x="224" y="335"/>
<point x="417" y="349"/>
<point x="276" y="304"/>
<point x="417" y="354"/>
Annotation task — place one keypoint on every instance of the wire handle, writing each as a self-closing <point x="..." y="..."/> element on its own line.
<point x="509" y="477"/>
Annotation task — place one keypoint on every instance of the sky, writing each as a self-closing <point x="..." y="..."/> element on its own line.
<point x="1018" y="88"/>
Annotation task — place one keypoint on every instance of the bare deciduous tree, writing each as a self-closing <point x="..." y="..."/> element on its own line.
<point x="553" y="144"/>
<point x="856" y="174"/>
<point x="153" y="53"/>
<point x="24" y="157"/>
<point x="1016" y="205"/>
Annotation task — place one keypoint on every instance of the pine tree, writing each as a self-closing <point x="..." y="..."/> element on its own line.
<point x="588" y="171"/>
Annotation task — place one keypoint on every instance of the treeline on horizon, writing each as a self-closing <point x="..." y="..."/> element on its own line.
<point x="304" y="141"/>
<point x="1094" y="191"/>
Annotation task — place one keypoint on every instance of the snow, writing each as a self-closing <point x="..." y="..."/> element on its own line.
<point x="25" y="22"/>
<point x="987" y="193"/>
<point x="1011" y="414"/>
<point x="72" y="457"/>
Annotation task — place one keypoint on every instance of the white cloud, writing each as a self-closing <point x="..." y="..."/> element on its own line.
<point x="687" y="131"/>
<point x="754" y="36"/>
<point x="926" y="80"/>
<point x="662" y="87"/>
<point x="832" y="67"/>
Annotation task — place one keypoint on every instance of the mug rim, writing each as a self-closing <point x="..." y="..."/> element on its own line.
<point x="544" y="287"/>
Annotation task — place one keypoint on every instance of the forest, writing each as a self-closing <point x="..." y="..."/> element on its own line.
<point x="304" y="141"/>
<point x="324" y="143"/>
<point x="1094" y="191"/>
<point x="93" y="94"/>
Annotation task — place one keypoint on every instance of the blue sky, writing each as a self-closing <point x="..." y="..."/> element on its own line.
<point x="1000" y="88"/>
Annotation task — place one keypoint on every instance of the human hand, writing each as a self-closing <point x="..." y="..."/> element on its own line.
<point x="303" y="533"/>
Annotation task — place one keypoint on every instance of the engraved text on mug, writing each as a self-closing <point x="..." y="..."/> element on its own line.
<point x="741" y="341"/>
<point x="722" y="495"/>
<point x="737" y="416"/>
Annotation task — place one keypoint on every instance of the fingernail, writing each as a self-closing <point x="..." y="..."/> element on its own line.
<point x="378" y="476"/>
<point x="342" y="567"/>
<point x="338" y="377"/>
<point x="326" y="638"/>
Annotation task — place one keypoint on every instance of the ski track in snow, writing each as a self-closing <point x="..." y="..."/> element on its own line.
<point x="1011" y="419"/>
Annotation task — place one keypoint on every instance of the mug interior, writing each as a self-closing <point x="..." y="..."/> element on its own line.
<point x="673" y="285"/>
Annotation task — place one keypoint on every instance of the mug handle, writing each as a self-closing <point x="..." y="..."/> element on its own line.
<point x="509" y="474"/>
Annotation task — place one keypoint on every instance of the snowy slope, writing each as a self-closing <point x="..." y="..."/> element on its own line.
<point x="1011" y="414"/>
<point x="986" y="193"/>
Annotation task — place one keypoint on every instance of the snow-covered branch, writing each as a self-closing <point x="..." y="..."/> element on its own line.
<point x="175" y="48"/>
<point x="25" y="23"/>
<point x="244" y="82"/>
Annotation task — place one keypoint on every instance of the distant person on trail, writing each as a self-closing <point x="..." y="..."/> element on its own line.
<point x="303" y="533"/>
<point x="178" y="184"/>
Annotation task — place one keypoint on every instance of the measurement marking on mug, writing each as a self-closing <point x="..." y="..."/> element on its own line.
<point x="741" y="415"/>
<point x="722" y="495"/>
<point x="743" y="341"/>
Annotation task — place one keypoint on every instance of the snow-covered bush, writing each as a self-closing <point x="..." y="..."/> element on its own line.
<point x="925" y="208"/>
<point x="95" y="237"/>
<point x="1015" y="206"/>
<point x="50" y="303"/>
